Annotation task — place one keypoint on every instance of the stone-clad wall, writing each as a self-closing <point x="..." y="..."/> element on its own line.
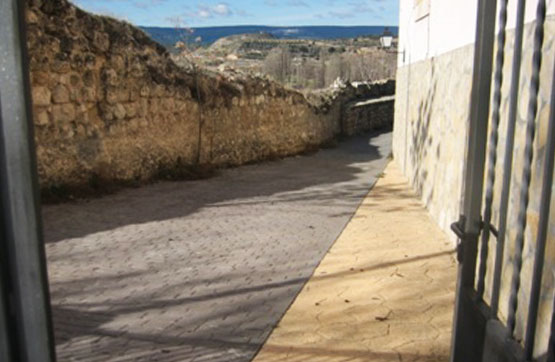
<point x="430" y="132"/>
<point x="431" y="114"/>
<point x="110" y="104"/>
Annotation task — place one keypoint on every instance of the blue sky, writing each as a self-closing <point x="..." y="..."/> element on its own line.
<point x="245" y="12"/>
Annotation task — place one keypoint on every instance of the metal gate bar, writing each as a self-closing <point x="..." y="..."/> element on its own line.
<point x="24" y="277"/>
<point x="551" y="347"/>
<point x="545" y="203"/>
<point x="528" y="159"/>
<point x="493" y="141"/>
<point x="508" y="158"/>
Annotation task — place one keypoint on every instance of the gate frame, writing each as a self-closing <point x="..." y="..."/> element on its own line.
<point x="469" y="322"/>
<point x="26" y="332"/>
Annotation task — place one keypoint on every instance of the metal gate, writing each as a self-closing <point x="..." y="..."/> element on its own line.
<point x="480" y="333"/>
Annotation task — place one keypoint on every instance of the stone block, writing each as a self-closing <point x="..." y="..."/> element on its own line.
<point x="168" y="104"/>
<point x="159" y="91"/>
<point x="40" y="78"/>
<point x="89" y="94"/>
<point x="145" y="91"/>
<point x="41" y="96"/>
<point x="60" y="94"/>
<point x="153" y="106"/>
<point x="131" y="109"/>
<point x="91" y="61"/>
<point x="136" y="66"/>
<point x="74" y="80"/>
<point x="119" y="111"/>
<point x="143" y="106"/>
<point x="60" y="66"/>
<point x="134" y="92"/>
<point x="134" y="124"/>
<point x="81" y="131"/>
<point x="32" y="17"/>
<point x="181" y="106"/>
<point x="42" y="118"/>
<point x="89" y="78"/>
<point x="106" y="112"/>
<point x="122" y="95"/>
<point x="117" y="95"/>
<point x="117" y="62"/>
<point x="111" y="96"/>
<point x="63" y="113"/>
<point x="110" y="77"/>
<point x="101" y="41"/>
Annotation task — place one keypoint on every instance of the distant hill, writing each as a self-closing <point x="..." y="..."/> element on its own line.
<point x="208" y="35"/>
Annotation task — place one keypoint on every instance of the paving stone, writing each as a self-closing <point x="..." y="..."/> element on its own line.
<point x="200" y="270"/>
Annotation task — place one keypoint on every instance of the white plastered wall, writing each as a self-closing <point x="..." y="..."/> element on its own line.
<point x="451" y="24"/>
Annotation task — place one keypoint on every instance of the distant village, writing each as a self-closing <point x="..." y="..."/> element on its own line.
<point x="297" y="63"/>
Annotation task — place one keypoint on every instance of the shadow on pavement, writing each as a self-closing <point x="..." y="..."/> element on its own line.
<point x="291" y="179"/>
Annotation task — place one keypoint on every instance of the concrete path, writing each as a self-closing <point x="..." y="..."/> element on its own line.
<point x="384" y="292"/>
<point x="204" y="270"/>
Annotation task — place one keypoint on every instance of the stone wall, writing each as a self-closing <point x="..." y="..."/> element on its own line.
<point x="363" y="116"/>
<point x="430" y="133"/>
<point x="110" y="104"/>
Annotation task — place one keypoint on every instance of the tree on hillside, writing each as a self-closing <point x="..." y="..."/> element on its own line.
<point x="185" y="59"/>
<point x="278" y="64"/>
<point x="337" y="68"/>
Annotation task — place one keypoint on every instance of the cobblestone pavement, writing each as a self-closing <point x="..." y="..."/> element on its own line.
<point x="203" y="270"/>
<point x="384" y="292"/>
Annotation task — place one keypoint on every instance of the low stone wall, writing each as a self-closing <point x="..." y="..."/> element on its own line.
<point x="364" y="116"/>
<point x="110" y="104"/>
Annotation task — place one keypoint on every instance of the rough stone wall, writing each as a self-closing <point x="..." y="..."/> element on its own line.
<point x="363" y="116"/>
<point x="110" y="104"/>
<point x="107" y="100"/>
<point x="430" y="132"/>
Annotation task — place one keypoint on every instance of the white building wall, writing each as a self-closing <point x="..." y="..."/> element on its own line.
<point x="450" y="25"/>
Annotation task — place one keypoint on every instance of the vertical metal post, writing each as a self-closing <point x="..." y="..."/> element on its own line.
<point x="543" y="225"/>
<point x="508" y="158"/>
<point x="467" y="341"/>
<point x="21" y="241"/>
